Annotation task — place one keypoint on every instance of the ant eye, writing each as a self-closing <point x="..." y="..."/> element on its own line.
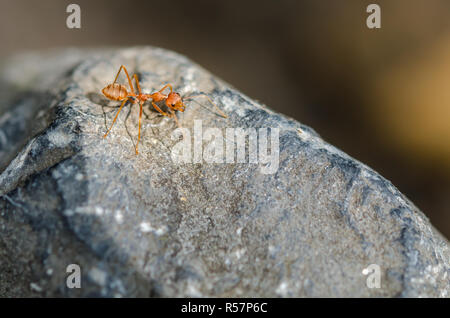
<point x="173" y="105"/>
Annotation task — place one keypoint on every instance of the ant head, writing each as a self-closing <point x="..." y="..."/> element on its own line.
<point x="174" y="101"/>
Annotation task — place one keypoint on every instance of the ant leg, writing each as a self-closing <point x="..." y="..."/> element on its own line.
<point x="210" y="100"/>
<point x="128" y="76"/>
<point x="121" y="106"/>
<point x="174" y="116"/>
<point x="126" y="127"/>
<point x="165" y="86"/>
<point x="137" y="83"/>
<point x="160" y="110"/>
<point x="139" y="131"/>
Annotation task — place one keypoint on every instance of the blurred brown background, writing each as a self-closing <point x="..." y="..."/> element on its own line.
<point x="383" y="96"/>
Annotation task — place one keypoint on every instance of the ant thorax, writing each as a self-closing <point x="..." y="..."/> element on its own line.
<point x="158" y="96"/>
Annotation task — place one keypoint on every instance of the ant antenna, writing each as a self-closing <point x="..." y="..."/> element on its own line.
<point x="210" y="100"/>
<point x="215" y="105"/>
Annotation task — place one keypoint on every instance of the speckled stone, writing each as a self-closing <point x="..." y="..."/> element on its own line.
<point x="147" y="226"/>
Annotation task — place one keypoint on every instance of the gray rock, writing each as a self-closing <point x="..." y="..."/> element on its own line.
<point x="146" y="225"/>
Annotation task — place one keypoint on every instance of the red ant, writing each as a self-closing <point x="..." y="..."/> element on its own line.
<point x="173" y="100"/>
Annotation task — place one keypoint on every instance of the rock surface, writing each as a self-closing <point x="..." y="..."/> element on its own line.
<point x="146" y="225"/>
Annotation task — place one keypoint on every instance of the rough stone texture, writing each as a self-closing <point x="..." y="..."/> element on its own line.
<point x="146" y="226"/>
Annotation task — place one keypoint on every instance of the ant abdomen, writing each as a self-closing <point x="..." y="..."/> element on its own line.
<point x="115" y="91"/>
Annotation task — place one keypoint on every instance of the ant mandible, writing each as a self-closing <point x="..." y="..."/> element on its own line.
<point x="173" y="100"/>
